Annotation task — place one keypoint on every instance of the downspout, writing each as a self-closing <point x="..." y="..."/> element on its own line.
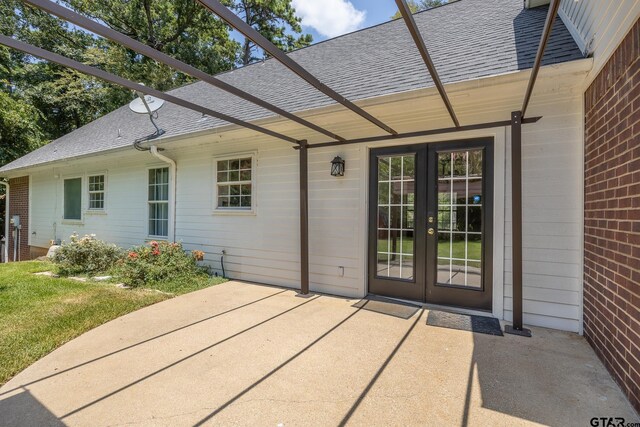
<point x="6" y="220"/>
<point x="173" y="178"/>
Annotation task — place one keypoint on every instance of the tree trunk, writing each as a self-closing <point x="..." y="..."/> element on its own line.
<point x="246" y="52"/>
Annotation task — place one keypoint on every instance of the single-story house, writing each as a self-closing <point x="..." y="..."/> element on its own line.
<point x="425" y="218"/>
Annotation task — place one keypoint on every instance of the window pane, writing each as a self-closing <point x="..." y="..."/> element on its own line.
<point x="245" y="163"/>
<point x="475" y="219"/>
<point x="444" y="191"/>
<point x="396" y="192"/>
<point x="396" y="168"/>
<point x="96" y="201"/>
<point x="383" y="169"/>
<point x="395" y="234"/>
<point x="460" y="201"/>
<point x="96" y="183"/>
<point x="475" y="163"/>
<point x="474" y="193"/>
<point x="158" y="219"/>
<point x="73" y="198"/>
<point x="383" y="193"/>
<point x="96" y="191"/>
<point x="408" y="167"/>
<point x="234" y="195"/>
<point x="407" y="267"/>
<point x="395" y="218"/>
<point x="444" y="165"/>
<point x="158" y="206"/>
<point x="459" y="163"/>
<point x="459" y="191"/>
<point x="223" y="165"/>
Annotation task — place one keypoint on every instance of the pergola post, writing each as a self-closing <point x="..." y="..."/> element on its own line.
<point x="304" y="218"/>
<point x="516" y="225"/>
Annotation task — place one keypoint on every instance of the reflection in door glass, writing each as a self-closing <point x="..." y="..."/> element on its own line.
<point x="460" y="201"/>
<point x="396" y="209"/>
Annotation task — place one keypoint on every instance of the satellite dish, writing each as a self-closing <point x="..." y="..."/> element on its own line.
<point x="147" y="104"/>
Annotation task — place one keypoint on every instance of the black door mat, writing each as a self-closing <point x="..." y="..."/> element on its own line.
<point x="464" y="322"/>
<point x="387" y="306"/>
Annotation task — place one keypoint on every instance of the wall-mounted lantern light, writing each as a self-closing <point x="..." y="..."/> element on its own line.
<point x="337" y="166"/>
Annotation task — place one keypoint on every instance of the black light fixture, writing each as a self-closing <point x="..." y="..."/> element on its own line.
<point x="337" y="166"/>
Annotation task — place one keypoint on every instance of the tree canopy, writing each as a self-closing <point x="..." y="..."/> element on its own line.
<point x="420" y="5"/>
<point x="40" y="101"/>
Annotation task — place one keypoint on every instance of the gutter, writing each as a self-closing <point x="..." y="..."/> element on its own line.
<point x="6" y="221"/>
<point x="173" y="178"/>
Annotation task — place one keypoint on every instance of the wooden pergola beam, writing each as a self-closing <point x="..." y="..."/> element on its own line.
<point x="248" y="31"/>
<point x="422" y="48"/>
<point x="112" y="78"/>
<point x="117" y="37"/>
<point x="544" y="39"/>
<point x="428" y="132"/>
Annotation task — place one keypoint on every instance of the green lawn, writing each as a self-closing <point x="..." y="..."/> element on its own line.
<point x="39" y="313"/>
<point x="474" y="248"/>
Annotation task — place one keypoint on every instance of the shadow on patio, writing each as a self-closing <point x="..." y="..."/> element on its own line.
<point x="249" y="354"/>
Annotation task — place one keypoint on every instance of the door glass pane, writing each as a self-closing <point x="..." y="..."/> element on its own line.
<point x="460" y="201"/>
<point x="396" y="208"/>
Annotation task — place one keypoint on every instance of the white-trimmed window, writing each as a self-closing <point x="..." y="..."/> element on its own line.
<point x="96" y="184"/>
<point x="158" y="202"/>
<point x="235" y="184"/>
<point x="72" y="199"/>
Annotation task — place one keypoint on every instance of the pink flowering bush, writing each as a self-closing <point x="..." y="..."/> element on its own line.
<point x="158" y="261"/>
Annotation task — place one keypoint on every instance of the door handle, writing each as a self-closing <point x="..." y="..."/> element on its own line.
<point x="431" y="231"/>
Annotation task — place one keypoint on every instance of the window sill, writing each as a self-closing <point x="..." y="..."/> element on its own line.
<point x="95" y="212"/>
<point x="72" y="222"/>
<point x="156" y="239"/>
<point x="234" y="212"/>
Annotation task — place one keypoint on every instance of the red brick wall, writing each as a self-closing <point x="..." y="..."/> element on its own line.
<point x="19" y="205"/>
<point x="612" y="216"/>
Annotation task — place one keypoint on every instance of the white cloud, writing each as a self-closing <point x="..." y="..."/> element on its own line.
<point x="330" y="18"/>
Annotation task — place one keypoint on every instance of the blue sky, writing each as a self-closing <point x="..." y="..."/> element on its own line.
<point x="330" y="18"/>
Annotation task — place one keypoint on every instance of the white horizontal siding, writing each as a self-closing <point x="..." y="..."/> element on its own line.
<point x="264" y="247"/>
<point x="598" y="26"/>
<point x="125" y="219"/>
<point x="552" y="218"/>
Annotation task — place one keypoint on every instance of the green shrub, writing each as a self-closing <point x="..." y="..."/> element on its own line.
<point x="158" y="261"/>
<point x="85" y="255"/>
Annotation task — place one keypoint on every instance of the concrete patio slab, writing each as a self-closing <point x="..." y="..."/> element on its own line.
<point x="246" y="354"/>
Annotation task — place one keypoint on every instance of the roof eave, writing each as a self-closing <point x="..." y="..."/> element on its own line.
<point x="581" y="66"/>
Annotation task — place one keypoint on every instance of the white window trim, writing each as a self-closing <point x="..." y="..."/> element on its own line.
<point x="82" y="200"/>
<point x="151" y="237"/>
<point x="214" y="179"/>
<point x="95" y="211"/>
